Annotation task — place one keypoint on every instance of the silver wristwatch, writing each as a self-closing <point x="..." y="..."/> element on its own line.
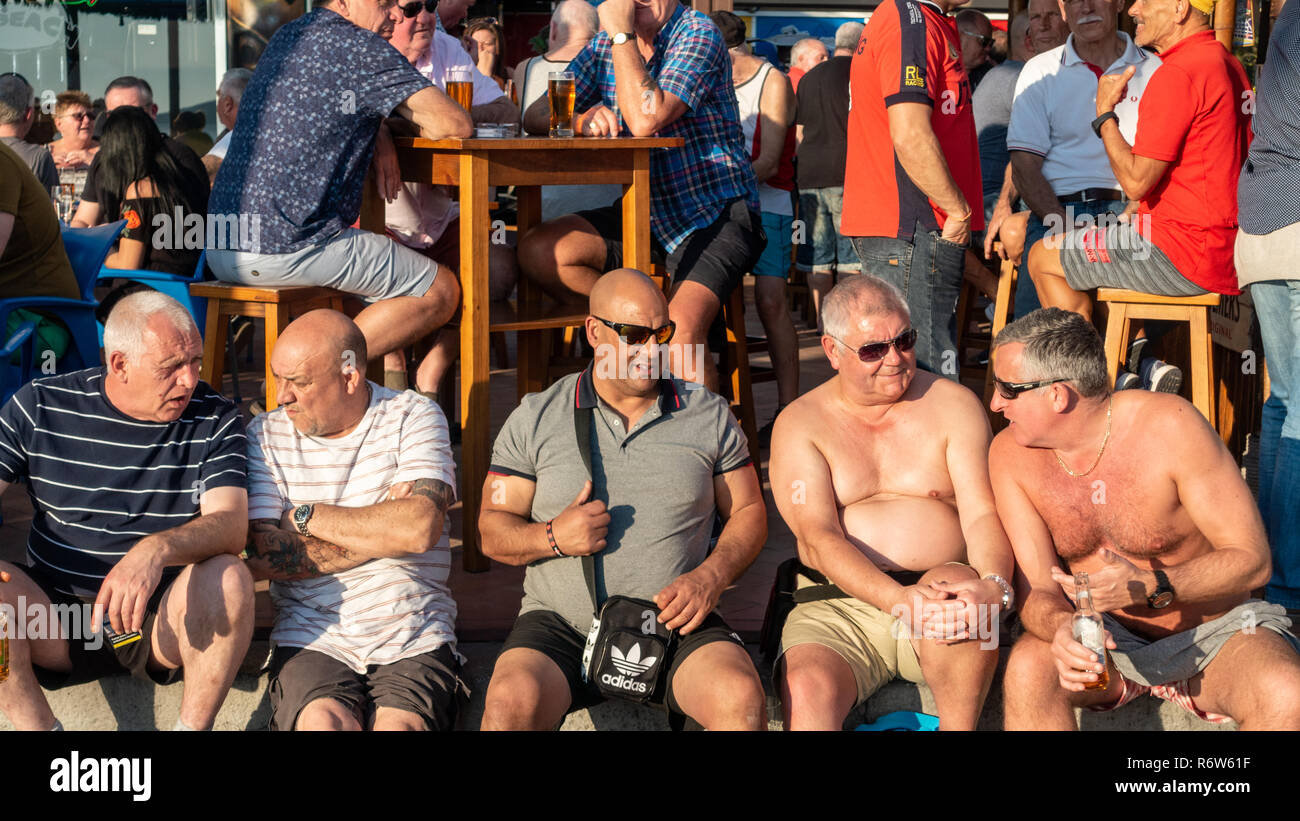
<point x="1008" y="593"/>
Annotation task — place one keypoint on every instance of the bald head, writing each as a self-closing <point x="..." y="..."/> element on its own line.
<point x="327" y="335"/>
<point x="626" y="291"/>
<point x="1017" y="35"/>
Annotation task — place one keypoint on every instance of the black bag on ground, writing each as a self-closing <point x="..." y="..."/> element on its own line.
<point x="783" y="599"/>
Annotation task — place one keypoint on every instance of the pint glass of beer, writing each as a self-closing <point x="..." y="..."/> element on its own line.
<point x="460" y="87"/>
<point x="559" y="90"/>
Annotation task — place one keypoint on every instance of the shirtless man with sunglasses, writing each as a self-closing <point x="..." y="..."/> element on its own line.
<point x="881" y="473"/>
<point x="1135" y="489"/>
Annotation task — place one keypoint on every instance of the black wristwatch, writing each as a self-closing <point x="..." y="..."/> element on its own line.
<point x="1100" y="121"/>
<point x="1164" y="593"/>
<point x="301" y="516"/>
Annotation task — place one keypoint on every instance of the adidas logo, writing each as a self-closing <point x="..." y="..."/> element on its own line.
<point x="631" y="664"/>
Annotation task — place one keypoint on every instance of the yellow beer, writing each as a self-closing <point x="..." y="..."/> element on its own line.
<point x="560" y="92"/>
<point x="462" y="92"/>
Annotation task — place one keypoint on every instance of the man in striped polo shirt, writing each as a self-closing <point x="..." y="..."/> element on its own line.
<point x="348" y="495"/>
<point x="135" y="471"/>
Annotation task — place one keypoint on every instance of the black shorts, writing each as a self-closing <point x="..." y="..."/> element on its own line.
<point x="717" y="256"/>
<point x="428" y="685"/>
<point x="547" y="633"/>
<point x="96" y="658"/>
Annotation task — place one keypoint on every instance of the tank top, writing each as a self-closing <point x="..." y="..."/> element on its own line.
<point x="774" y="193"/>
<point x="535" y="78"/>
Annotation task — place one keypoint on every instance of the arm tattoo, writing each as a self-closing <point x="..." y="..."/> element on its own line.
<point x="439" y="492"/>
<point x="291" y="555"/>
<point x="650" y="84"/>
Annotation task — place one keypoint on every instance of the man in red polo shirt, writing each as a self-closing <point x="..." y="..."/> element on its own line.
<point x="1182" y="169"/>
<point x="907" y="199"/>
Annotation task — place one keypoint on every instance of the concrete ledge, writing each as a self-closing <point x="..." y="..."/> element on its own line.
<point x="127" y="704"/>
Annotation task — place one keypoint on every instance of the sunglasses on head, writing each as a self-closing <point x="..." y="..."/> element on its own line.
<point x="639" y="334"/>
<point x="1010" y="390"/>
<point x="876" y="351"/>
<point x="411" y="9"/>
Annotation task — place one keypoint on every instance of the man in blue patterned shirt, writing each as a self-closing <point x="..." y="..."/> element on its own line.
<point x="659" y="69"/>
<point x="293" y="175"/>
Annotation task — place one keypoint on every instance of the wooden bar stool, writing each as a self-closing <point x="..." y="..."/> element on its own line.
<point x="1126" y="306"/>
<point x="734" y="381"/>
<point x="278" y="306"/>
<point x="1003" y="309"/>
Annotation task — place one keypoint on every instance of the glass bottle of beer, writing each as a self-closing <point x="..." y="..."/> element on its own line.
<point x="1089" y="630"/>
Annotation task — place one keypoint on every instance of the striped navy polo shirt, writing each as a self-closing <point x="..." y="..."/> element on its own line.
<point x="100" y="480"/>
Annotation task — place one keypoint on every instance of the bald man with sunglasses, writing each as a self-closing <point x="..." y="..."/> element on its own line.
<point x="666" y="457"/>
<point x="882" y="474"/>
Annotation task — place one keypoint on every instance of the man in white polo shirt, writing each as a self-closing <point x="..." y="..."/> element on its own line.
<point x="349" y="485"/>
<point x="1059" y="167"/>
<point x="424" y="217"/>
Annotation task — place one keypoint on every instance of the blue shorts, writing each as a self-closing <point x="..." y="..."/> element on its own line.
<point x="822" y="249"/>
<point x="775" y="259"/>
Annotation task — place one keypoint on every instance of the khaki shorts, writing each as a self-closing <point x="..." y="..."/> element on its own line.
<point x="862" y="634"/>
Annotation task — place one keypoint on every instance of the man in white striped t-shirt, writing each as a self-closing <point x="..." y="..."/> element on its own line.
<point x="349" y="485"/>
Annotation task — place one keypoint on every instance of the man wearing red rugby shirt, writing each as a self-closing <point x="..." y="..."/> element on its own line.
<point x="907" y="199"/>
<point x="1182" y="169"/>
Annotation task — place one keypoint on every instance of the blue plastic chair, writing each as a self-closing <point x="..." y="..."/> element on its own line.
<point x="173" y="285"/>
<point x="87" y="249"/>
<point x="12" y="378"/>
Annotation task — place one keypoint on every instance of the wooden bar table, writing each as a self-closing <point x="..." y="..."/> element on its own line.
<point x="474" y="166"/>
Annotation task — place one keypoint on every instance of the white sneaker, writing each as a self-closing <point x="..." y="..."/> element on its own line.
<point x="1161" y="377"/>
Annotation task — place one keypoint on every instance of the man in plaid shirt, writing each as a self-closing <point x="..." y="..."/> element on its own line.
<point x="660" y="69"/>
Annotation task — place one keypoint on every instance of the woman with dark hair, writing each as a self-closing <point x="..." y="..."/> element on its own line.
<point x="159" y="199"/>
<point x="484" y="40"/>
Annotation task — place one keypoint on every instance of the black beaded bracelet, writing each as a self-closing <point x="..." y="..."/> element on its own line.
<point x="550" y="539"/>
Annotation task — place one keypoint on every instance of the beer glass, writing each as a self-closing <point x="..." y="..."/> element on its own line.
<point x="460" y="87"/>
<point x="560" y="92"/>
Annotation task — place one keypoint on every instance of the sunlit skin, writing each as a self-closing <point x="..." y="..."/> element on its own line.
<point x="627" y="297"/>
<point x="76" y="127"/>
<point x="374" y="16"/>
<point x="1047" y="28"/>
<point x="323" y="391"/>
<point x="157" y="385"/>
<point x="413" y="35"/>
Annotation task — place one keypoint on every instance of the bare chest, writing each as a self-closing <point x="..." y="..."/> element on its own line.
<point x="904" y="458"/>
<point x="1128" y="508"/>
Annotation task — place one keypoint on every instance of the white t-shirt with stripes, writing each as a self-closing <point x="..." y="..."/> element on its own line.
<point x="384" y="610"/>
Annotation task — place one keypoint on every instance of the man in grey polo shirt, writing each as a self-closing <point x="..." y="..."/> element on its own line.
<point x="664" y="461"/>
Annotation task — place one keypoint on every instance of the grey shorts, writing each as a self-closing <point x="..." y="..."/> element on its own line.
<point x="1119" y="256"/>
<point x="429" y="685"/>
<point x="369" y="265"/>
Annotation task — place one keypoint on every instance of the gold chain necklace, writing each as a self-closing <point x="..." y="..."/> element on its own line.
<point x="1100" y="451"/>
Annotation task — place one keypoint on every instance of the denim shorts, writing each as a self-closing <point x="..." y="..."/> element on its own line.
<point x="822" y="248"/>
<point x="928" y="270"/>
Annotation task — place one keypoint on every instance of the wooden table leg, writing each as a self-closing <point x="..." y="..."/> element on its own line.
<point x="275" y="318"/>
<point x="636" y="213"/>
<point x="474" y="231"/>
<point x="530" y="356"/>
<point x="214" y="346"/>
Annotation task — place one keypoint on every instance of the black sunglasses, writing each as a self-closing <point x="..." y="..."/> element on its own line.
<point x="1010" y="390"/>
<point x="876" y="351"/>
<point x="412" y="9"/>
<point x="639" y="334"/>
